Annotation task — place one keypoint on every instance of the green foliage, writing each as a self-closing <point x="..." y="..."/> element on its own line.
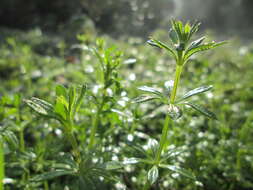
<point x="49" y="146"/>
<point x="180" y="36"/>
<point x="153" y="174"/>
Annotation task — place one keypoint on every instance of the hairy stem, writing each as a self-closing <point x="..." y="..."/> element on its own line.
<point x="167" y="119"/>
<point x="163" y="138"/>
<point x="176" y="82"/>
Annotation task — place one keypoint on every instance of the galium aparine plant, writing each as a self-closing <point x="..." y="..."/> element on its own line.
<point x="181" y="48"/>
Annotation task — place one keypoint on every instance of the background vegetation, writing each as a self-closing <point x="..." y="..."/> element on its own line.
<point x="45" y="43"/>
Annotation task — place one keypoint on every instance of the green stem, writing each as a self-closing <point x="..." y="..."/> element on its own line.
<point x="94" y="129"/>
<point x="165" y="130"/>
<point x="74" y="144"/>
<point x="68" y="126"/>
<point x="1" y="164"/>
<point x="96" y="121"/>
<point x="163" y="138"/>
<point x="176" y="82"/>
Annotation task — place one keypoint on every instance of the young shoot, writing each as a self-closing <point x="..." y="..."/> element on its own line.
<point x="181" y="49"/>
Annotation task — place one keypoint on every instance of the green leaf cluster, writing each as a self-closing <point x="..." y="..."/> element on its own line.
<point x="181" y="48"/>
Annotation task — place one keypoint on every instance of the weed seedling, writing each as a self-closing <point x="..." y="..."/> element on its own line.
<point x="181" y="49"/>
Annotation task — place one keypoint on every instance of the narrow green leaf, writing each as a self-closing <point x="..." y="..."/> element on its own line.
<point x="196" y="43"/>
<point x="195" y="92"/>
<point x="194" y="29"/>
<point x="158" y="43"/>
<point x="61" y="107"/>
<point x="121" y="113"/>
<point x="100" y="58"/>
<point x="152" y="43"/>
<point x="40" y="106"/>
<point x="113" y="165"/>
<point x="172" y="153"/>
<point x="173" y="36"/>
<point x="144" y="98"/>
<point x="61" y="91"/>
<point x="72" y="98"/>
<point x="129" y="161"/>
<point x="151" y="90"/>
<point x="202" y="47"/>
<point x="202" y="110"/>
<point x="52" y="174"/>
<point x="79" y="99"/>
<point x="178" y="170"/>
<point x="178" y="27"/>
<point x="153" y="174"/>
<point x="152" y="147"/>
<point x="11" y="138"/>
<point x="187" y="28"/>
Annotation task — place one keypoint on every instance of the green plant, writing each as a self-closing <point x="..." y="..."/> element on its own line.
<point x="181" y="50"/>
<point x="65" y="109"/>
<point x="109" y="61"/>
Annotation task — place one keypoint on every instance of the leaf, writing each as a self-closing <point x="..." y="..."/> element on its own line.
<point x="153" y="174"/>
<point x="172" y="153"/>
<point x="128" y="161"/>
<point x="179" y="170"/>
<point x="151" y="90"/>
<point x="79" y="99"/>
<point x="113" y="165"/>
<point x="196" y="43"/>
<point x="123" y="114"/>
<point x="72" y="98"/>
<point x="187" y="29"/>
<point x="40" y="106"/>
<point x="178" y="27"/>
<point x="61" y="107"/>
<point x="144" y="98"/>
<point x="152" y="147"/>
<point x="52" y="174"/>
<point x="202" y="47"/>
<point x="11" y="138"/>
<point x="202" y="110"/>
<point x="152" y="43"/>
<point x="194" y="29"/>
<point x="61" y="91"/>
<point x="159" y="44"/>
<point x="173" y="36"/>
<point x="195" y="92"/>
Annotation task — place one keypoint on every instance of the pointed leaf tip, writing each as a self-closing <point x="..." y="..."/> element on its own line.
<point x="153" y="174"/>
